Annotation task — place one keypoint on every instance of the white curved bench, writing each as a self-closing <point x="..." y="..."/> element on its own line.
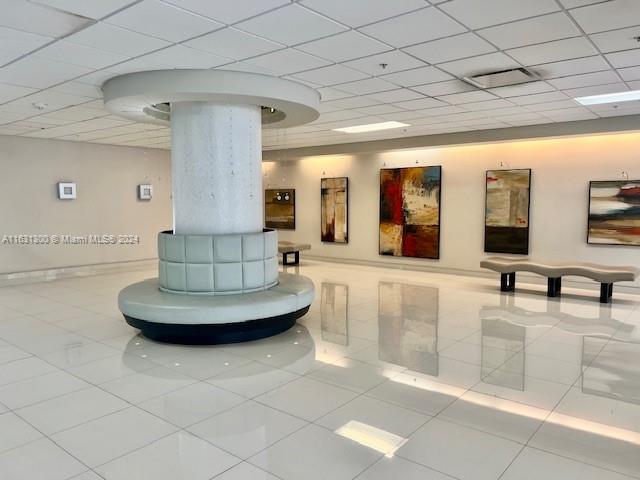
<point x="201" y="319"/>
<point x="605" y="274"/>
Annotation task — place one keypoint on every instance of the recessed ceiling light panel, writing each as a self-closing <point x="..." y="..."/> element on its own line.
<point x="371" y="127"/>
<point x="610" y="98"/>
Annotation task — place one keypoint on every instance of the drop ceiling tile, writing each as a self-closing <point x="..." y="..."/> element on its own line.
<point x="157" y="19"/>
<point x="399" y="95"/>
<point x="631" y="73"/>
<point x="417" y="76"/>
<point x="616" y="40"/>
<point x="75" y="54"/>
<point x="569" y="114"/>
<point x="327" y="94"/>
<point x="467" y="97"/>
<point x="523" y="89"/>
<point x="41" y="19"/>
<point x="571" y="67"/>
<point x="15" y="43"/>
<point x="577" y="3"/>
<point x="607" y="15"/>
<point x="11" y="92"/>
<point x="288" y="61"/>
<point x="546" y="28"/>
<point x="553" y="51"/>
<point x="117" y="40"/>
<point x="367" y="86"/>
<point x="541" y="107"/>
<point x="39" y="73"/>
<point x="338" y="116"/>
<point x="585" y="80"/>
<point x="344" y="46"/>
<point x="519" y="117"/>
<point x="52" y="99"/>
<point x="480" y="64"/>
<point x="248" y="67"/>
<point x="232" y="43"/>
<point x="86" y="8"/>
<point x="538" y="98"/>
<point x="394" y="60"/>
<point x="179" y="56"/>
<point x="628" y="58"/>
<point x="351" y="102"/>
<point x="484" y="13"/>
<point x="596" y="90"/>
<point x="444" y="88"/>
<point x="415" y="27"/>
<point x="356" y="13"/>
<point x="420" y="104"/>
<point x="451" y="48"/>
<point x="298" y="25"/>
<point x="379" y="110"/>
<point x="330" y="75"/>
<point x="489" y="105"/>
<point x="228" y="11"/>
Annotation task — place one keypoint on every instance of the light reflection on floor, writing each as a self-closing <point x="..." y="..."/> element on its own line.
<point x="392" y="374"/>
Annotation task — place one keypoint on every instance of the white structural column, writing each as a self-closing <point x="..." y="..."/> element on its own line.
<point x="216" y="168"/>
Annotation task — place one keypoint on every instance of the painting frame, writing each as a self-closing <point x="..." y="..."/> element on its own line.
<point x="438" y="237"/>
<point x="289" y="224"/>
<point x="346" y="210"/>
<point x="524" y="249"/>
<point x="589" y="214"/>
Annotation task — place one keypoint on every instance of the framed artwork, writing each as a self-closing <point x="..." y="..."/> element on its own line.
<point x="145" y="192"/>
<point x="408" y="326"/>
<point x="280" y="208"/>
<point x="506" y="214"/>
<point x="334" y="306"/>
<point x="614" y="212"/>
<point x="334" y="194"/>
<point x="410" y="212"/>
<point x="66" y="191"/>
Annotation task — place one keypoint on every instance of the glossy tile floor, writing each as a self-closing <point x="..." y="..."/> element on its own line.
<point x="392" y="375"/>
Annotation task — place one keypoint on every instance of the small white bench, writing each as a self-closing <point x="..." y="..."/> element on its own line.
<point x="286" y="248"/>
<point x="605" y="274"/>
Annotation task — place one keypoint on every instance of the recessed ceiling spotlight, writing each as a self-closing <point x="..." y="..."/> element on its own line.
<point x="40" y="105"/>
<point x="371" y="127"/>
<point x="610" y="98"/>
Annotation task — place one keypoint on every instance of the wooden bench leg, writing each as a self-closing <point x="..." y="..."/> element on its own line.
<point x="508" y="282"/>
<point x="606" y="292"/>
<point x="554" y="286"/>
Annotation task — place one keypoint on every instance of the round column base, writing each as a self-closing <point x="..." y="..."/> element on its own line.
<point x="214" y="334"/>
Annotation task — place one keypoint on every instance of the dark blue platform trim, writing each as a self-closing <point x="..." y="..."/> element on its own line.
<point x="214" y="334"/>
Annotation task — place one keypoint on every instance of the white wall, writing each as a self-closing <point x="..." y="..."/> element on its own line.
<point x="107" y="178"/>
<point x="562" y="169"/>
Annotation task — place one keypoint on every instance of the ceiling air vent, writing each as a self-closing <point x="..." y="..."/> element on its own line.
<point x="503" y="78"/>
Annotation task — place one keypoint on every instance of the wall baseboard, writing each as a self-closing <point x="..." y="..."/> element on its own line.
<point x="36" y="276"/>
<point x="574" y="282"/>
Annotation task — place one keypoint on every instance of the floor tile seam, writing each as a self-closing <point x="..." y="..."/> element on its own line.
<point x="380" y="460"/>
<point x="219" y="475"/>
<point x="12" y="409"/>
<point x="358" y="391"/>
<point x="172" y="390"/>
<point x="213" y="377"/>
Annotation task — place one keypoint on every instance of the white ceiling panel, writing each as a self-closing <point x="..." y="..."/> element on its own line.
<point x="327" y="94"/>
<point x="541" y="107"/>
<point x="415" y="27"/>
<point x="356" y="13"/>
<point x="480" y="64"/>
<point x="607" y="15"/>
<point x="616" y="40"/>
<point x="91" y="9"/>
<point x="400" y="95"/>
<point x="228" y="11"/>
<point x="420" y="104"/>
<point x="444" y="88"/>
<point x="467" y="97"/>
<point x="628" y="58"/>
<point x="629" y="74"/>
<point x="484" y="13"/>
<point x="497" y="104"/>
<point x="393" y="61"/>
<point x="538" y="98"/>
<point x="578" y="3"/>
<point x="331" y="75"/>
<point x="11" y="92"/>
<point x="53" y="100"/>
<point x="39" y="73"/>
<point x="179" y="56"/>
<point x="288" y="61"/>
<point x="451" y="48"/>
<point x="530" y="88"/>
<point x="585" y="80"/>
<point x="116" y="40"/>
<point x="351" y="102"/>
<point x="41" y="19"/>
<point x="596" y="90"/>
<point x="161" y="20"/>
<point x="15" y="43"/>
<point x="369" y="85"/>
<point x="553" y="51"/>
<point x="75" y="54"/>
<point x="297" y="25"/>
<point x="417" y="76"/>
<point x="232" y="43"/>
<point x="379" y="110"/>
<point x="344" y="46"/>
<point x="571" y="67"/>
<point x="248" y="67"/>
<point x="546" y="28"/>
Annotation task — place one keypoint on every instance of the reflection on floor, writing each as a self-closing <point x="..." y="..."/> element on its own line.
<point x="392" y="374"/>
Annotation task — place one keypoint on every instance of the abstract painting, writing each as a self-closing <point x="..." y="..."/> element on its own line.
<point x="280" y="208"/>
<point x="334" y="306"/>
<point x="614" y="212"/>
<point x="506" y="219"/>
<point x="408" y="326"/>
<point x="410" y="212"/>
<point x="334" y="203"/>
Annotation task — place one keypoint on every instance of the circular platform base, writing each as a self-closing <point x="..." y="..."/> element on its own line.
<point x="214" y="334"/>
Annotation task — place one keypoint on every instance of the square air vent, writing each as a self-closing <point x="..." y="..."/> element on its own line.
<point x="503" y="78"/>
